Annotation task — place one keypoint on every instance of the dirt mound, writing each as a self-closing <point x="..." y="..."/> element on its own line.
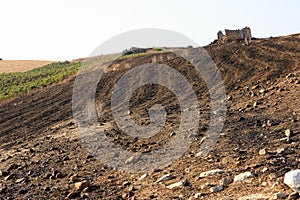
<point x="43" y="157"/>
<point x="21" y="65"/>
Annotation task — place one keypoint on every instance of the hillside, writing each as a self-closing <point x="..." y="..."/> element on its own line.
<point x="42" y="157"/>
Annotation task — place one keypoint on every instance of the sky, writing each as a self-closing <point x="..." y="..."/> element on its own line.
<point x="70" y="29"/>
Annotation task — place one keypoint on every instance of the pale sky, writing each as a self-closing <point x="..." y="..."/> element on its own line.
<point x="70" y="29"/>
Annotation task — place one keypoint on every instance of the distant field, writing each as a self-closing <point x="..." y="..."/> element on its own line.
<point x="21" y="65"/>
<point x="14" y="83"/>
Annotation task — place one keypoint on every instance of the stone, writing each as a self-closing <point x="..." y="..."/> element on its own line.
<point x="262" y="152"/>
<point x="294" y="195"/>
<point x="204" y="186"/>
<point x="12" y="167"/>
<point x="172" y="134"/>
<point x="284" y="151"/>
<point x="197" y="195"/>
<point x="225" y="181"/>
<point x="292" y="179"/>
<point x="288" y="133"/>
<point x="73" y="195"/>
<point x="143" y="177"/>
<point x="74" y="178"/>
<point x="264" y="184"/>
<point x="264" y="170"/>
<point x="3" y="173"/>
<point x="165" y="177"/>
<point x="126" y="183"/>
<point x="262" y="91"/>
<point x="255" y="104"/>
<point x="211" y="173"/>
<point x="279" y="195"/>
<point x="175" y="185"/>
<point x="20" y="180"/>
<point x="216" y="188"/>
<point x="23" y="191"/>
<point x="81" y="185"/>
<point x="243" y="176"/>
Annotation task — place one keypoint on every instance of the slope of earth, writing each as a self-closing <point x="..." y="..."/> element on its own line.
<point x="21" y="65"/>
<point x="42" y="156"/>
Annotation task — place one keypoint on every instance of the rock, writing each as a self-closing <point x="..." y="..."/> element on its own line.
<point x="2" y="189"/>
<point x="225" y="181"/>
<point x="73" y="195"/>
<point x="74" y="178"/>
<point x="264" y="170"/>
<point x="262" y="152"/>
<point x="126" y="183"/>
<point x="243" y="176"/>
<point x="132" y="159"/>
<point x="20" y="180"/>
<point x="284" y="151"/>
<point x="269" y="123"/>
<point x="294" y="195"/>
<point x="124" y="196"/>
<point x="204" y="186"/>
<point x="175" y="185"/>
<point x="172" y="134"/>
<point x="255" y="104"/>
<point x="279" y="195"/>
<point x="9" y="177"/>
<point x="23" y="191"/>
<point x="12" y="167"/>
<point x="81" y="185"/>
<point x="264" y="184"/>
<point x="143" y="177"/>
<point x="288" y="132"/>
<point x="211" y="173"/>
<point x="59" y="175"/>
<point x="84" y="195"/>
<point x="262" y="91"/>
<point x="3" y="173"/>
<point x="197" y="195"/>
<point x="216" y="188"/>
<point x="292" y="179"/>
<point x="165" y="177"/>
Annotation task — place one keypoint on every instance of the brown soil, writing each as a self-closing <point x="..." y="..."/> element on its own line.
<point x="21" y="65"/>
<point x="38" y="133"/>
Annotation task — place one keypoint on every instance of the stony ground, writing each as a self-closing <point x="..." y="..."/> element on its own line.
<point x="42" y="156"/>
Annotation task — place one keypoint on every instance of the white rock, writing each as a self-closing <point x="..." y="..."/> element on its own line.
<point x="288" y="133"/>
<point x="175" y="185"/>
<point x="81" y="185"/>
<point x="211" y="173"/>
<point x="243" y="176"/>
<point x="216" y="188"/>
<point x="292" y="179"/>
<point x="165" y="177"/>
<point x="197" y="195"/>
<point x="262" y="152"/>
<point x="143" y="177"/>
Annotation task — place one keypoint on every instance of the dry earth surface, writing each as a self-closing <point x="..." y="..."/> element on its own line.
<point x="42" y="156"/>
<point x="21" y="65"/>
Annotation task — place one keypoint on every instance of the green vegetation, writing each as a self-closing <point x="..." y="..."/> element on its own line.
<point x="157" y="49"/>
<point x="20" y="82"/>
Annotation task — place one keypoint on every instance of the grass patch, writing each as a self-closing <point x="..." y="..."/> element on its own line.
<point x="16" y="83"/>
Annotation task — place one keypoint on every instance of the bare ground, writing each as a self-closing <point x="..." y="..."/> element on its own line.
<point x="21" y="65"/>
<point x="41" y="150"/>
